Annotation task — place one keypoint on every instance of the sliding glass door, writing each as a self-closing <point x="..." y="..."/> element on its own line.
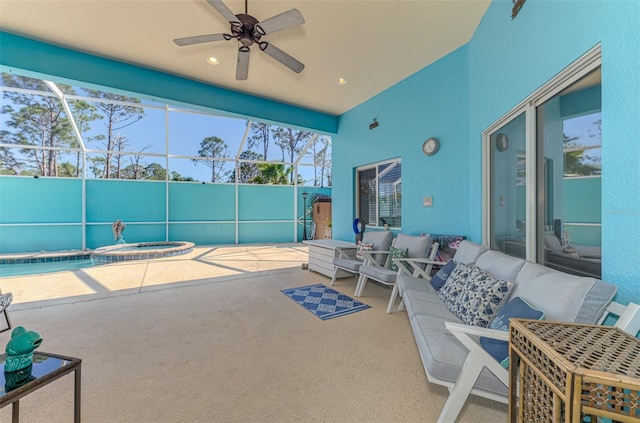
<point x="543" y="174"/>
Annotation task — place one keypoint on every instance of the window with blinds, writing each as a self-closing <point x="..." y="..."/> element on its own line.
<point x="379" y="199"/>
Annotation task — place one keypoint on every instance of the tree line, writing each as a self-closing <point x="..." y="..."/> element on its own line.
<point x="35" y="120"/>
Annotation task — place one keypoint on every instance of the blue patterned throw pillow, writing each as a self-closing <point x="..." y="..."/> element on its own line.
<point x="479" y="298"/>
<point x="456" y="281"/>
<point x="396" y="253"/>
<point x="518" y="308"/>
<point x="441" y="277"/>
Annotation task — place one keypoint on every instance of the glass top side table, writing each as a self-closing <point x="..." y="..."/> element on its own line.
<point x="45" y="369"/>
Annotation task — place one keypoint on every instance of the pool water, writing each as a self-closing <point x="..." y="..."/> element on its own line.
<point x="42" y="268"/>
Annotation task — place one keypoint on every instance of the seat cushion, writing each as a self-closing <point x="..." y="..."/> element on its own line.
<point x="381" y="274"/>
<point x="406" y="282"/>
<point x="419" y="303"/>
<point x="348" y="264"/>
<point x="443" y="355"/>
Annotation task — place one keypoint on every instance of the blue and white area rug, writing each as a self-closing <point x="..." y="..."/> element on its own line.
<point x="323" y="301"/>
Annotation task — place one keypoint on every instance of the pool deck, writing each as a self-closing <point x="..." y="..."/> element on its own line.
<point x="205" y="264"/>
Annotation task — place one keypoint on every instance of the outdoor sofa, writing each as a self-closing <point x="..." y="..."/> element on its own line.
<point x="444" y="340"/>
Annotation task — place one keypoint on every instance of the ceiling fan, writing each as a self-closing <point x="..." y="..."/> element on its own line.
<point x="248" y="31"/>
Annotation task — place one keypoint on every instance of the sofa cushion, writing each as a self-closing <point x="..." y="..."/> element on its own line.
<point x="362" y="247"/>
<point x="500" y="265"/>
<point x="532" y="270"/>
<point x="407" y="282"/>
<point x="420" y="303"/>
<point x="566" y="298"/>
<point x="441" y="276"/>
<point x="515" y="308"/>
<point x="468" y="252"/>
<point x="396" y="253"/>
<point x="443" y="355"/>
<point x="481" y="297"/>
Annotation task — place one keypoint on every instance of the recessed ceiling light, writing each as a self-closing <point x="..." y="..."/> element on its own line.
<point x="212" y="60"/>
<point x="341" y="81"/>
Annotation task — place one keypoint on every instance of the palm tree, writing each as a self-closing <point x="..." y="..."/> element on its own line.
<point x="273" y="173"/>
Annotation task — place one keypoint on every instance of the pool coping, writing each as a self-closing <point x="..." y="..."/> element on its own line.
<point x="111" y="253"/>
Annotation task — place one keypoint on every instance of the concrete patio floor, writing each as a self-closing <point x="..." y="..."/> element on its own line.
<point x="266" y="348"/>
<point x="204" y="263"/>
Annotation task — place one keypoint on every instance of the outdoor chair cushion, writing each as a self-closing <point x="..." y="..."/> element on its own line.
<point x="417" y="245"/>
<point x="349" y="264"/>
<point x="381" y="241"/>
<point x="381" y="274"/>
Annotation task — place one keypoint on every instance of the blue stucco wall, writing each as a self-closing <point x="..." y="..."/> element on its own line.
<point x="509" y="59"/>
<point x="459" y="96"/>
<point x="430" y="103"/>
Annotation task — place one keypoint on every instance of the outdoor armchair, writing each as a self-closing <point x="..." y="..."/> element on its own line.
<point x="381" y="241"/>
<point x="417" y="247"/>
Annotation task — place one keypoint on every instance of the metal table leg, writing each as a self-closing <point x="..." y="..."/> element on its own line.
<point x="77" y="396"/>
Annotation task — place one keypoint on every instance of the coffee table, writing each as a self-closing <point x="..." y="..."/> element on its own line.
<point x="45" y="369"/>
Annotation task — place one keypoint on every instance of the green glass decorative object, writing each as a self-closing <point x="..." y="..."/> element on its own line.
<point x="18" y="378"/>
<point x="20" y="349"/>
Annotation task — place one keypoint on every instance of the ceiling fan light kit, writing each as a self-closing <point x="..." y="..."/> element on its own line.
<point x="248" y="31"/>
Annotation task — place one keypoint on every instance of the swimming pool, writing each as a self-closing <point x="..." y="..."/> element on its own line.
<point x="25" y="269"/>
<point x="50" y="262"/>
<point x="43" y="262"/>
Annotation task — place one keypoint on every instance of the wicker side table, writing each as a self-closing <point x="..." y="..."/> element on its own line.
<point x="564" y="372"/>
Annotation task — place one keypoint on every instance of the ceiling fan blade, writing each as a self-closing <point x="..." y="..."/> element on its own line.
<point x="242" y="70"/>
<point x="187" y="41"/>
<point x="281" y="57"/>
<point x="224" y="11"/>
<point x="279" y="22"/>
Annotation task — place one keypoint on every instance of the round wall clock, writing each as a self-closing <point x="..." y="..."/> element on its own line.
<point x="430" y="146"/>
<point x="502" y="141"/>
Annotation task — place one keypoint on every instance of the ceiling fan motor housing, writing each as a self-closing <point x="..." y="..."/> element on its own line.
<point x="246" y="33"/>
